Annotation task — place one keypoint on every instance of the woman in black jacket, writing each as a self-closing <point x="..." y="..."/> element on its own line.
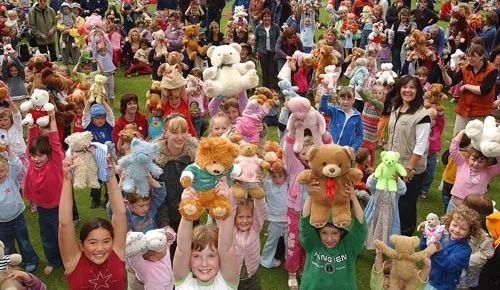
<point x="266" y="54"/>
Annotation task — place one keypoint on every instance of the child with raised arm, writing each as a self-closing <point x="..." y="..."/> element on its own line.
<point x="331" y="252"/>
<point x="12" y="222"/>
<point x="250" y="215"/>
<point x="206" y="254"/>
<point x="473" y="174"/>
<point x="103" y="53"/>
<point x="100" y="249"/>
<point x="43" y="186"/>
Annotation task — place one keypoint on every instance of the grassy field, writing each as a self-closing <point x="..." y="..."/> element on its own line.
<point x="272" y="279"/>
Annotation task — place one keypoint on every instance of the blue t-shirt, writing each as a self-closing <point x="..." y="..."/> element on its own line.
<point x="101" y="134"/>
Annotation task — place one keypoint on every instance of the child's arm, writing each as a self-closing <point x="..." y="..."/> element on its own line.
<point x="454" y="149"/>
<point x="5" y="70"/>
<point x="86" y="114"/>
<point x="110" y="117"/>
<point x="14" y="163"/>
<point x="160" y="192"/>
<point x="181" y="264"/>
<point x="423" y="274"/>
<point x="214" y="106"/>
<point x="377" y="274"/>
<point x="75" y="69"/>
<point x="228" y="264"/>
<point x="259" y="214"/>
<point x="27" y="279"/>
<point x="324" y="107"/>
<point x="368" y="97"/>
<point x="99" y="66"/>
<point x="68" y="245"/>
<point x="356" y="207"/>
<point x="119" y="218"/>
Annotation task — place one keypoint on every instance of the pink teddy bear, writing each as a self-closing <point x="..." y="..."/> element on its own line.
<point x="311" y="119"/>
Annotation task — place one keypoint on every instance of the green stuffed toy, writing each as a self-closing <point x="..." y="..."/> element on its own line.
<point x="386" y="169"/>
<point x="85" y="57"/>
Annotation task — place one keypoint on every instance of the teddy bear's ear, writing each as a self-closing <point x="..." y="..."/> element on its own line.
<point x="394" y="239"/>
<point x="236" y="46"/>
<point x="396" y="155"/>
<point x="416" y="241"/>
<point x="210" y="51"/>
<point x="383" y="153"/>
<point x="311" y="152"/>
<point x="350" y="152"/>
<point x="68" y="139"/>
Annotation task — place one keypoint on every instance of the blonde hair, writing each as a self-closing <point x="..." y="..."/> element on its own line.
<point x="176" y="124"/>
<point x="246" y="204"/>
<point x="220" y="115"/>
<point x="204" y="236"/>
<point x="131" y="32"/>
<point x="6" y="112"/>
<point x="463" y="213"/>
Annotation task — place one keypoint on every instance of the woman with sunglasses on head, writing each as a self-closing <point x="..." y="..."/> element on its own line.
<point x="286" y="45"/>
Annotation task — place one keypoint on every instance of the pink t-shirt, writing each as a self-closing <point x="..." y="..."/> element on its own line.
<point x="155" y="275"/>
<point x="467" y="182"/>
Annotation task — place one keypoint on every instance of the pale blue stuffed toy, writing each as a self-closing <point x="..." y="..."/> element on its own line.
<point x="387" y="169"/>
<point x="359" y="74"/>
<point x="137" y="164"/>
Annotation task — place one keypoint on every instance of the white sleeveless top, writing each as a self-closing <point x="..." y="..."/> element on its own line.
<point x="190" y="283"/>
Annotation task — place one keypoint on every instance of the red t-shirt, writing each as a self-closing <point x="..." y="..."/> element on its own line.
<point x="182" y="109"/>
<point x="140" y="121"/>
<point x="77" y="125"/>
<point x="87" y="275"/>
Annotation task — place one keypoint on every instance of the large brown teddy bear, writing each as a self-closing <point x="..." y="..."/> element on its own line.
<point x="190" y="41"/>
<point x="251" y="167"/>
<point x="55" y="83"/>
<point x="435" y="97"/>
<point x="214" y="160"/>
<point x="325" y="58"/>
<point x="331" y="166"/>
<point x="35" y="66"/>
<point x="418" y="40"/>
<point x="355" y="54"/>
<point x="404" y="259"/>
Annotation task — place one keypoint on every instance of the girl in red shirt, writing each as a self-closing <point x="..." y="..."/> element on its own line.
<point x="98" y="258"/>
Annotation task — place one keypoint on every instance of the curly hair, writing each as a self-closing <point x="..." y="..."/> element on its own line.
<point x="463" y="213"/>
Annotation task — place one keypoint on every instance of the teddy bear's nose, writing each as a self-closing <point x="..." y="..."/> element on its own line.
<point x="216" y="171"/>
<point x="332" y="170"/>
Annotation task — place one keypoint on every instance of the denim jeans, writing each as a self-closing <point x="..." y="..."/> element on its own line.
<point x="48" y="220"/>
<point x="446" y="194"/>
<point x="196" y="121"/>
<point x="274" y="232"/>
<point x="16" y="230"/>
<point x="429" y="173"/>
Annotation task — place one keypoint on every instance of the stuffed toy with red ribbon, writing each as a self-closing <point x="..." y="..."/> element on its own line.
<point x="331" y="166"/>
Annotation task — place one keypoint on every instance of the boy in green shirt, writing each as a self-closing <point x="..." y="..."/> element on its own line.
<point x="331" y="252"/>
<point x="83" y="71"/>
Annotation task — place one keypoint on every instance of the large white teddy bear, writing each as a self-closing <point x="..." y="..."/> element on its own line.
<point x="37" y="107"/>
<point x="484" y="137"/>
<point x="160" y="43"/>
<point x="227" y="76"/>
<point x="386" y="75"/>
<point x="311" y="119"/>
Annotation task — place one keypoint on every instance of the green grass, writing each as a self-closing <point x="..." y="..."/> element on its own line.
<point x="272" y="279"/>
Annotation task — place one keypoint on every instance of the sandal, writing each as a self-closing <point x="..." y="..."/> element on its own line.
<point x="293" y="284"/>
<point x="292" y="281"/>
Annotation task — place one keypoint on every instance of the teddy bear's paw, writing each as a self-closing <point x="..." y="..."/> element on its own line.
<point x="318" y="225"/>
<point x="256" y="193"/>
<point x="253" y="79"/>
<point x="342" y="224"/>
<point x="190" y="209"/>
<point x="186" y="181"/>
<point x="210" y="89"/>
<point x="219" y="212"/>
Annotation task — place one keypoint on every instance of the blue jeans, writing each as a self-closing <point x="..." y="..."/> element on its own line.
<point x="446" y="194"/>
<point x="48" y="220"/>
<point x="274" y="232"/>
<point x="450" y="207"/>
<point x="429" y="173"/>
<point x="196" y="121"/>
<point x="16" y="230"/>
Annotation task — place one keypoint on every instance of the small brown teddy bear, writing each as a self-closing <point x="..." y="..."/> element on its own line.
<point x="251" y="167"/>
<point x="325" y="58"/>
<point x="56" y="84"/>
<point x="435" y="97"/>
<point x="273" y="154"/>
<point x="214" y="160"/>
<point x="190" y="41"/>
<point x="35" y="66"/>
<point x="355" y="54"/>
<point x="404" y="259"/>
<point x="418" y="40"/>
<point x="153" y="96"/>
<point x="126" y="135"/>
<point x="85" y="172"/>
<point x="14" y="260"/>
<point x="331" y="166"/>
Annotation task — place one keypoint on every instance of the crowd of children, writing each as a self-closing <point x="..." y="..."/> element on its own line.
<point x="347" y="72"/>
